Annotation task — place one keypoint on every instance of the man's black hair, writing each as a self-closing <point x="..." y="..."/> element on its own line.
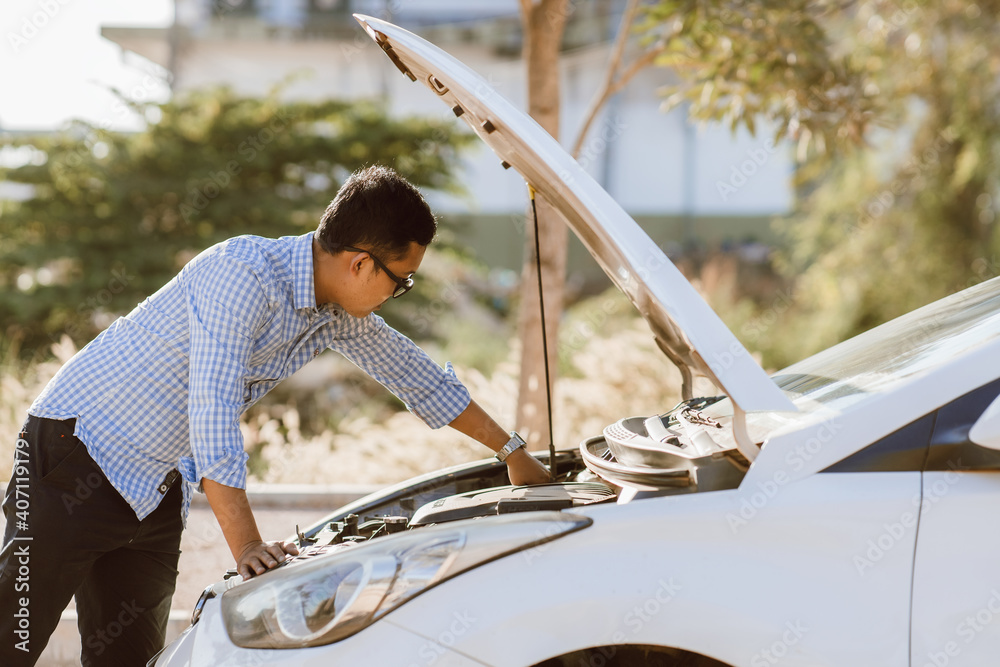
<point x="376" y="209"/>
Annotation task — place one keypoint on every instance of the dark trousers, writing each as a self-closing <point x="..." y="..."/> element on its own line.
<point x="70" y="532"/>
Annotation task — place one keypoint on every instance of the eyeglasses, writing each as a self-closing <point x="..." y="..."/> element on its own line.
<point x="403" y="285"/>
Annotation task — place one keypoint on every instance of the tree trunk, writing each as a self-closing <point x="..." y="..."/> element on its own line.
<point x="543" y="22"/>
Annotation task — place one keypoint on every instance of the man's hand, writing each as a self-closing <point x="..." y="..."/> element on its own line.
<point x="258" y="557"/>
<point x="232" y="510"/>
<point x="524" y="469"/>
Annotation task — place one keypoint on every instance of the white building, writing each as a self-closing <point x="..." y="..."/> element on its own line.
<point x="679" y="181"/>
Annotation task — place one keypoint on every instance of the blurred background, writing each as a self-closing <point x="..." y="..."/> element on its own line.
<point x="815" y="168"/>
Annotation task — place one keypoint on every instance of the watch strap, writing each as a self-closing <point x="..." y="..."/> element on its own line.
<point x="514" y="443"/>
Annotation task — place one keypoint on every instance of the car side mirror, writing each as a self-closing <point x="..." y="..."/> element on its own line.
<point x="986" y="431"/>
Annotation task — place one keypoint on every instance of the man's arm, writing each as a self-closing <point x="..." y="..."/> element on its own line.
<point x="431" y="394"/>
<point x="232" y="510"/>
<point x="522" y="467"/>
<point x="226" y="305"/>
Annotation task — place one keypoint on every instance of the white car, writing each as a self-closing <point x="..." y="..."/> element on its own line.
<point x="842" y="512"/>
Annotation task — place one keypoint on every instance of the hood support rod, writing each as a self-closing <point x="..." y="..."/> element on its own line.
<point x="545" y="335"/>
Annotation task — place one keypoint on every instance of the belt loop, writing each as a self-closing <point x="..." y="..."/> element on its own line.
<point x="168" y="481"/>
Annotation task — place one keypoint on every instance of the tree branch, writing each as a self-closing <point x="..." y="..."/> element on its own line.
<point x="611" y="84"/>
<point x="638" y="64"/>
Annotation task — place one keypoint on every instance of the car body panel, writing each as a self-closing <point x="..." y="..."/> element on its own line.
<point x="722" y="586"/>
<point x="808" y="447"/>
<point x="678" y="316"/>
<point x="986" y="431"/>
<point x="383" y="643"/>
<point x="794" y="582"/>
<point x="956" y="583"/>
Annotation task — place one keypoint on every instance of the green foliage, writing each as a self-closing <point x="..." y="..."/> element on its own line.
<point x="895" y="108"/>
<point x="117" y="214"/>
<point x="740" y="62"/>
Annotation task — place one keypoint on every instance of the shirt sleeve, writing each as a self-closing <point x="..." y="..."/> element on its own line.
<point x="432" y="393"/>
<point x="226" y="304"/>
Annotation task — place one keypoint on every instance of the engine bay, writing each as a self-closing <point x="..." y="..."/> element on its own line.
<point x="634" y="458"/>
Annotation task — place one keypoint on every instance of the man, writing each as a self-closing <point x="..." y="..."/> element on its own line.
<point x="96" y="503"/>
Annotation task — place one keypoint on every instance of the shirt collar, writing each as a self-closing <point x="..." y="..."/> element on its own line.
<point x="303" y="288"/>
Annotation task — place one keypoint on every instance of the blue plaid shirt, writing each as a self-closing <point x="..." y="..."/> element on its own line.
<point x="164" y="387"/>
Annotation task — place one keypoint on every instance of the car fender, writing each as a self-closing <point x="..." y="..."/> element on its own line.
<point x="797" y="581"/>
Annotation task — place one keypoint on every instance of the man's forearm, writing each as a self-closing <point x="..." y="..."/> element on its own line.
<point x="475" y="423"/>
<point x="232" y="511"/>
<point x="522" y="468"/>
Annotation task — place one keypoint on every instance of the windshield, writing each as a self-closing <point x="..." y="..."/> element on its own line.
<point x="879" y="360"/>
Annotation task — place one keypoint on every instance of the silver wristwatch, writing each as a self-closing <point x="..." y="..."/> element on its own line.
<point x="512" y="444"/>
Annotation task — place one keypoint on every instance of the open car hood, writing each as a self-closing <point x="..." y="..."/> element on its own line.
<point x="686" y="328"/>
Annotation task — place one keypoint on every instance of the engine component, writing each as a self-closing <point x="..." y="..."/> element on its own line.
<point x="719" y="470"/>
<point x="509" y="499"/>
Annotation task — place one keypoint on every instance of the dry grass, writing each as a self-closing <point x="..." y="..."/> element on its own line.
<point x="20" y="383"/>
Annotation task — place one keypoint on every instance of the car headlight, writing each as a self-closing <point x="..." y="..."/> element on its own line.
<point x="323" y="600"/>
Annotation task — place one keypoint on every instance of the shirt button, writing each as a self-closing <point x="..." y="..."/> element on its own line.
<point x="316" y="352"/>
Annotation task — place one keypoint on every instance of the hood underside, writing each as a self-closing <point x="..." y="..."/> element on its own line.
<point x="686" y="328"/>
